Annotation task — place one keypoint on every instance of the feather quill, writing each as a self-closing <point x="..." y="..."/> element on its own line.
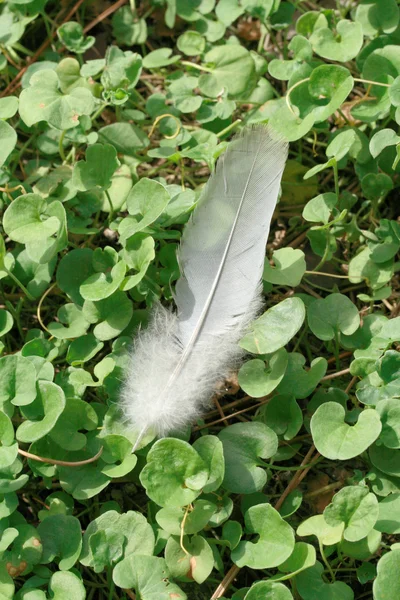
<point x="179" y="359"/>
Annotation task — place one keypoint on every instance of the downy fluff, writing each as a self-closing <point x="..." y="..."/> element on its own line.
<point x="179" y="359"/>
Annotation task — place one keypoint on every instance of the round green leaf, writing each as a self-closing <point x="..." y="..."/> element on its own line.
<point x="387" y="583"/>
<point x="283" y="415"/>
<point x="174" y="474"/>
<point x="211" y="451"/>
<point x="377" y="16"/>
<point x="25" y="219"/>
<point x="129" y="532"/>
<point x="257" y="379"/>
<point x="311" y="586"/>
<point x="343" y="47"/>
<point x="98" y="168"/>
<point x="146" y="202"/>
<point x="333" y="315"/>
<point x="148" y="576"/>
<point x="64" y="585"/>
<point x="61" y="537"/>
<point x="191" y="43"/>
<point x="268" y="590"/>
<point x="334" y="439"/>
<point x="275" y="328"/>
<point x="45" y="411"/>
<point x="357" y="508"/>
<point x="8" y="141"/>
<point x="275" y="543"/>
<point x="232" y="67"/>
<point x="197" y="564"/>
<point x="17" y="380"/>
<point x="243" y="444"/>
<point x="289" y="267"/>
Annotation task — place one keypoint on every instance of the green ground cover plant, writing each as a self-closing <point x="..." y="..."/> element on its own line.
<point x="111" y="117"/>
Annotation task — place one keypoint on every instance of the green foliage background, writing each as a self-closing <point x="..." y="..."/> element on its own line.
<point x="290" y="488"/>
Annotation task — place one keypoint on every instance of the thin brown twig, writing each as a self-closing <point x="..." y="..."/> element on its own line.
<point x="239" y="412"/>
<point x="106" y="13"/>
<point x="336" y="374"/>
<point x="298" y="477"/>
<point x="221" y="412"/>
<point x="352" y="382"/>
<point x="62" y="463"/>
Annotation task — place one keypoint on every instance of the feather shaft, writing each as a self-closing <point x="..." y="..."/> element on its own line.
<point x="179" y="359"/>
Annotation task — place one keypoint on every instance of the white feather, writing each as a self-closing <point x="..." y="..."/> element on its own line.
<point x="179" y="359"/>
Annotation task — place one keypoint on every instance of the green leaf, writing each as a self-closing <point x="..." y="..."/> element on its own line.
<point x="319" y="209"/>
<point x="111" y="314"/>
<point x="377" y="16"/>
<point x="289" y="267"/>
<point x="72" y="36"/>
<point x="211" y="451"/>
<point x="357" y="508"/>
<point x="316" y="525"/>
<point x="232" y="67"/>
<point x="83" y="349"/>
<point x="362" y="268"/>
<point x="191" y="43"/>
<point x="71" y="323"/>
<point x="8" y="107"/>
<point x="283" y="415"/>
<point x="101" y="285"/>
<point x="364" y="548"/>
<point x="98" y="168"/>
<point x="26" y="219"/>
<point x="75" y="268"/>
<point x="336" y="440"/>
<point x="125" y="137"/>
<point x="160" y="58"/>
<point x="170" y="519"/>
<point x="43" y="413"/>
<point x="197" y="562"/>
<point x="243" y="444"/>
<point x="146" y="202"/>
<point x="302" y="557"/>
<point x="61" y="537"/>
<point x="64" y="585"/>
<point x="127" y="28"/>
<point x="389" y="514"/>
<point x="8" y="139"/>
<point x="342" y="48"/>
<point x="275" y="328"/>
<point x="148" y="576"/>
<point x="17" y="381"/>
<point x="76" y="416"/>
<point x="387" y="583"/>
<point x="42" y="101"/>
<point x="381" y="140"/>
<point x="275" y="543"/>
<point x="174" y="474"/>
<point x="333" y="315"/>
<point x="6" y="321"/>
<point x="138" y="253"/>
<point x="126" y="534"/>
<point x="389" y="412"/>
<point x="268" y="590"/>
<point x="385" y="459"/>
<point x="311" y="586"/>
<point x="257" y="378"/>
<point x="299" y="381"/>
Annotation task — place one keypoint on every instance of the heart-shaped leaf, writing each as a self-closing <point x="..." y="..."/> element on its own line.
<point x="334" y="439"/>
